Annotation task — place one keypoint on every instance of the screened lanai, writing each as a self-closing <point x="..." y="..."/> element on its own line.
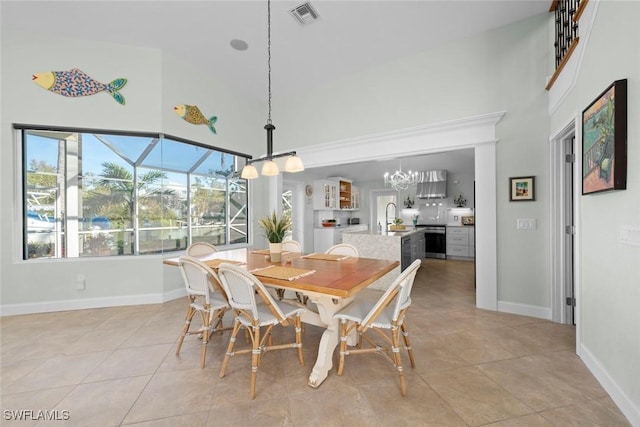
<point x="89" y="193"/>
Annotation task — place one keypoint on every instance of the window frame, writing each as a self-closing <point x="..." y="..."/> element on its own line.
<point x="21" y="134"/>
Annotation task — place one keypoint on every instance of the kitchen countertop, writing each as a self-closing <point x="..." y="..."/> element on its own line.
<point x="406" y="232"/>
<point x="345" y="227"/>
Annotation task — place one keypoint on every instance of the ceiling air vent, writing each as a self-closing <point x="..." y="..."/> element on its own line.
<point x="304" y="13"/>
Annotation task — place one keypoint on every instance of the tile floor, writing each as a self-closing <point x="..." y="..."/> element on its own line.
<point x="116" y="367"/>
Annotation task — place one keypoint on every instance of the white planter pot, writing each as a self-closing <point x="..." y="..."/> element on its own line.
<point x="276" y="251"/>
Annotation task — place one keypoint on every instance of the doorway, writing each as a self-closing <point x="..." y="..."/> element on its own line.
<point x="570" y="230"/>
<point x="381" y="200"/>
<point x="293" y="204"/>
<point x="477" y="132"/>
<point x="563" y="225"/>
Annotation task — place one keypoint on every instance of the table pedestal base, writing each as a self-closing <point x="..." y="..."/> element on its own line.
<point x="327" y="307"/>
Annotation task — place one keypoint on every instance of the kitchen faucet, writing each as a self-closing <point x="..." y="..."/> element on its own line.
<point x="386" y="214"/>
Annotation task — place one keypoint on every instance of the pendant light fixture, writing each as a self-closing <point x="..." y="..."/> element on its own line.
<point x="269" y="167"/>
<point x="400" y="180"/>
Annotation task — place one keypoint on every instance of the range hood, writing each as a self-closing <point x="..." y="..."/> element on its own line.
<point x="433" y="185"/>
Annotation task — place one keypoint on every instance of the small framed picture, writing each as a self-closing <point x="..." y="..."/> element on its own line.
<point x="522" y="188"/>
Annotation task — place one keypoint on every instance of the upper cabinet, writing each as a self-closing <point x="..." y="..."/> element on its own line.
<point x="335" y="194"/>
<point x="325" y="195"/>
<point x="355" y="197"/>
<point x="345" y="193"/>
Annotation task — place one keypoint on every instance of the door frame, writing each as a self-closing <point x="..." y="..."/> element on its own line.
<point x="558" y="199"/>
<point x="477" y="132"/>
<point x="373" y="196"/>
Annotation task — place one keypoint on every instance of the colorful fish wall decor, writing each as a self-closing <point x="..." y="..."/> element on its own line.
<point x="76" y="82"/>
<point x="192" y="114"/>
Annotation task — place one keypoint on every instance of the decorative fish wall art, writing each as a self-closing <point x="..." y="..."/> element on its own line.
<point x="76" y="82"/>
<point x="192" y="114"/>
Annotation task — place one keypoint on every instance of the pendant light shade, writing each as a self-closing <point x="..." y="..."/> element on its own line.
<point x="270" y="168"/>
<point x="293" y="164"/>
<point x="249" y="172"/>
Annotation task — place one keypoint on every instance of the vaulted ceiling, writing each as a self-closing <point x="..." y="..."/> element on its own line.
<point x="349" y="36"/>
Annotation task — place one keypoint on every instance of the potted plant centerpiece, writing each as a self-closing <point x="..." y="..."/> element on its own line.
<point x="275" y="229"/>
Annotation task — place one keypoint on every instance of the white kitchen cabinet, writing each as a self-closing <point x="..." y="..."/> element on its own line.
<point x="324" y="238"/>
<point x="344" y="188"/>
<point x="335" y="193"/>
<point x="460" y="242"/>
<point x="355" y="198"/>
<point x="325" y="195"/>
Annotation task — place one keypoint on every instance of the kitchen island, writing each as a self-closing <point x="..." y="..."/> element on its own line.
<point x="404" y="246"/>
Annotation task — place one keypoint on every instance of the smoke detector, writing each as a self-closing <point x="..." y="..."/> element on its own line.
<point x="304" y="13"/>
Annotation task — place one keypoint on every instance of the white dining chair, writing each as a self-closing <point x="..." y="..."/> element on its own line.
<point x="343" y="249"/>
<point x="255" y="308"/>
<point x="206" y="297"/>
<point x="386" y="317"/>
<point x="291" y="246"/>
<point x="201" y="249"/>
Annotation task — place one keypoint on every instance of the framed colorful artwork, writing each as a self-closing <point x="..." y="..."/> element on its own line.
<point x="604" y="141"/>
<point x="522" y="188"/>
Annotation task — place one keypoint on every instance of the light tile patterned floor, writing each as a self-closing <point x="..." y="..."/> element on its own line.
<point x="116" y="366"/>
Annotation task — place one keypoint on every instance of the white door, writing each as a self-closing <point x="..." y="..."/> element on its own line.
<point x="384" y="207"/>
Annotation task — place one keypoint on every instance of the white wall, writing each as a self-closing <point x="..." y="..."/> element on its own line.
<point x="503" y="70"/>
<point x="610" y="270"/>
<point x="155" y="85"/>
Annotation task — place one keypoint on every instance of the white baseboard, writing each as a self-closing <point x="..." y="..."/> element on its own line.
<point x="626" y="405"/>
<point x="525" y="310"/>
<point x="81" y="304"/>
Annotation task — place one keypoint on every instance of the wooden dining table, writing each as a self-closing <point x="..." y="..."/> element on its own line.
<point x="329" y="282"/>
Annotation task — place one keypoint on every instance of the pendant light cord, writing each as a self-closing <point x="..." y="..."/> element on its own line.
<point x="269" y="54"/>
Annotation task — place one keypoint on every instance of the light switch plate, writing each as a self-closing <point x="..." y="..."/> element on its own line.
<point x="526" y="224"/>
<point x="630" y="235"/>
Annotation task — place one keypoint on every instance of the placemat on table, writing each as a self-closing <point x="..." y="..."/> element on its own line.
<point x="283" y="273"/>
<point x="215" y="263"/>
<point x="326" y="257"/>
<point x="261" y="251"/>
<point x="267" y="252"/>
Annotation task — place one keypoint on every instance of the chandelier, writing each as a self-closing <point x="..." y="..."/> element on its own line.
<point x="400" y="180"/>
<point x="270" y="168"/>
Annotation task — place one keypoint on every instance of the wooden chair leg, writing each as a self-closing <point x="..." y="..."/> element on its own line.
<point x="206" y="324"/>
<point x="255" y="359"/>
<point x="395" y="349"/>
<point x="407" y="344"/>
<point x="298" y="325"/>
<point x="236" y="328"/>
<point x="343" y="344"/>
<point x="185" y="329"/>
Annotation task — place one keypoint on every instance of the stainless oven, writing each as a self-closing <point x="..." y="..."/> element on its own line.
<point x="435" y="241"/>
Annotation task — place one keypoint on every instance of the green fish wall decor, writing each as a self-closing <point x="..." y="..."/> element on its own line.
<point x="192" y="114"/>
<point x="76" y="82"/>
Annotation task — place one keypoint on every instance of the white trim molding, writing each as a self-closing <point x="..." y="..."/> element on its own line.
<point x="478" y="132"/>
<point x="621" y="399"/>
<point x="86" y="303"/>
<point x="432" y="138"/>
<point x="525" y="310"/>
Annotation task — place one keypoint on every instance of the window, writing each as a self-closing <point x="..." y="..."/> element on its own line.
<point x="111" y="194"/>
